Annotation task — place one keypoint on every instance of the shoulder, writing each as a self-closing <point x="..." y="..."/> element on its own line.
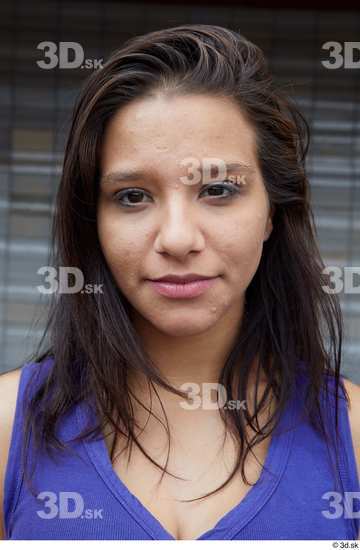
<point x="353" y="391"/>
<point x="9" y="385"/>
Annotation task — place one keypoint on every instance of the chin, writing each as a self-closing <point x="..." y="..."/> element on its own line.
<point x="185" y="326"/>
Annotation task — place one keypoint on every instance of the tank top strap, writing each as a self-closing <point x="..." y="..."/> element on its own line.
<point x="31" y="376"/>
<point x="341" y="450"/>
<point x="347" y="463"/>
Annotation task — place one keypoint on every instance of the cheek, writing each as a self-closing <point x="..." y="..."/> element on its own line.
<point x="242" y="246"/>
<point x="122" y="248"/>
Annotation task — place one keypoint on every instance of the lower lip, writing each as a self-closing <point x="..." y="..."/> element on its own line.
<point x="182" y="290"/>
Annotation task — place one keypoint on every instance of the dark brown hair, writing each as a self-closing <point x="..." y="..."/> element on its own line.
<point x="288" y="317"/>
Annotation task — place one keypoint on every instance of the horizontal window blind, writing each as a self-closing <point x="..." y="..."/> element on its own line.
<point x="35" y="109"/>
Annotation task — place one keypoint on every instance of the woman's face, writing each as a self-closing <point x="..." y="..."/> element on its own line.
<point x="173" y="223"/>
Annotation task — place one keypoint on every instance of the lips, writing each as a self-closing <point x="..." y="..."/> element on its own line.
<point x="182" y="279"/>
<point x="188" y="289"/>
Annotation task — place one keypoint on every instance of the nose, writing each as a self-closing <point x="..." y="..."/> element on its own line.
<point x="179" y="230"/>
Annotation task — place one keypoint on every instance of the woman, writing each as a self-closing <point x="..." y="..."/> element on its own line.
<point x="184" y="163"/>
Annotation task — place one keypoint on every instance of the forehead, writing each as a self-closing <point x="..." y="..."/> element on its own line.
<point x="161" y="129"/>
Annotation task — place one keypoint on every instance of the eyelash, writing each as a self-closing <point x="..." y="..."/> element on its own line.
<point x="233" y="188"/>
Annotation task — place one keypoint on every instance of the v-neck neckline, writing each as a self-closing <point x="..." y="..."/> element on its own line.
<point x="232" y="521"/>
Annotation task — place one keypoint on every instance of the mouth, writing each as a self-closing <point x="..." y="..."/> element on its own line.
<point x="187" y="289"/>
<point x="181" y="279"/>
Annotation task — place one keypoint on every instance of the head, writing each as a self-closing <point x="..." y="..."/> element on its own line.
<point x="164" y="107"/>
<point x="200" y="92"/>
<point x="175" y="225"/>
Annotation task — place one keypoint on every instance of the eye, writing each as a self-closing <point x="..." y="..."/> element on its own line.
<point x="228" y="185"/>
<point x="135" y="194"/>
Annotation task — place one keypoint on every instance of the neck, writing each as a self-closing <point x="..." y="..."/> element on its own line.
<point x="189" y="358"/>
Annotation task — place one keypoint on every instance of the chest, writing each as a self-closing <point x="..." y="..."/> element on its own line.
<point x="203" y="463"/>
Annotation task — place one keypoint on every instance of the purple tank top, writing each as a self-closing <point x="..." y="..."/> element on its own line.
<point x="79" y="495"/>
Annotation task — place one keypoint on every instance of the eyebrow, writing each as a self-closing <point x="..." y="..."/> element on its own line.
<point x="119" y="176"/>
